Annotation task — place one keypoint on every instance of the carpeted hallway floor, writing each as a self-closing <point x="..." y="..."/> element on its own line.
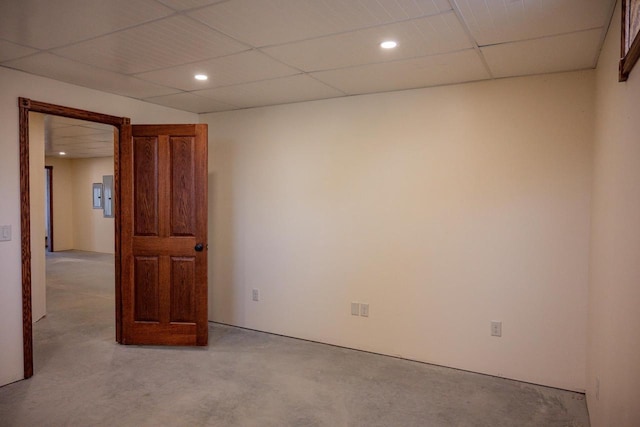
<point x="244" y="378"/>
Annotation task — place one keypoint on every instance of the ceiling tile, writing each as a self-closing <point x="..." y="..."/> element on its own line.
<point x="55" y="67"/>
<point x="575" y="51"/>
<point x="161" y="44"/>
<point x="74" y="152"/>
<point x="97" y="140"/>
<point x="82" y="144"/>
<point x="48" y="24"/>
<point x="97" y="143"/>
<point x="499" y="21"/>
<point x="53" y="122"/>
<point x="10" y="50"/>
<point x="269" y="22"/>
<point x="228" y="70"/>
<point x="434" y="70"/>
<point x="191" y="102"/>
<point x="419" y="37"/>
<point x="49" y="124"/>
<point x="269" y="92"/>
<point x="103" y="128"/>
<point x="74" y="131"/>
<point x="188" y="4"/>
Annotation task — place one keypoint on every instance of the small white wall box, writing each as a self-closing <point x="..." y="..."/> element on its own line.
<point x="97" y="195"/>
<point x="107" y="195"/>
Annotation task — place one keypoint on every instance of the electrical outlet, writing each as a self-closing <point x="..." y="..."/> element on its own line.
<point x="496" y="328"/>
<point x="355" y="309"/>
<point x="255" y="294"/>
<point x="364" y="309"/>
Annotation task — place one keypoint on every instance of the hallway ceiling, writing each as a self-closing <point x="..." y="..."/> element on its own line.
<point x="266" y="52"/>
<point x="77" y="138"/>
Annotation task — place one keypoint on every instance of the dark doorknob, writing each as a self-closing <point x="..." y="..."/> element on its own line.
<point x="199" y="247"/>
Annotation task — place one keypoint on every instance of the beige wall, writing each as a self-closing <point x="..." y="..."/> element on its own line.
<point x="614" y="292"/>
<point x="36" y="197"/>
<point x="62" y="203"/>
<point x="14" y="84"/>
<point x="76" y="224"/>
<point x="443" y="208"/>
<point x="91" y="230"/>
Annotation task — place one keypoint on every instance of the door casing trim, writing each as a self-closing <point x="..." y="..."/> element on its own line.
<point x="26" y="106"/>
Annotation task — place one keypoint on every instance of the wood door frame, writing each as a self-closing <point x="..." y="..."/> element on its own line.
<point x="49" y="189"/>
<point x="26" y="106"/>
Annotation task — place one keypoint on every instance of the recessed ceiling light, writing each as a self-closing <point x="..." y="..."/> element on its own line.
<point x="62" y="153"/>
<point x="389" y="44"/>
<point x="201" y="77"/>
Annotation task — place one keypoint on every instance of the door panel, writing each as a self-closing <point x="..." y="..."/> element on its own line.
<point x="147" y="290"/>
<point x="183" y="295"/>
<point x="145" y="175"/>
<point x="164" y="233"/>
<point x="183" y="217"/>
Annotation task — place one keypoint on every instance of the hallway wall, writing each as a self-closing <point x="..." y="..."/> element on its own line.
<point x="36" y="198"/>
<point x="62" y="203"/>
<point x="76" y="224"/>
<point x="91" y="231"/>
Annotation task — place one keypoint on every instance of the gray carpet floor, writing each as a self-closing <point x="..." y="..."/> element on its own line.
<point x="244" y="378"/>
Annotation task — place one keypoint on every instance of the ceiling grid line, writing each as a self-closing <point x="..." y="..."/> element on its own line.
<point x="605" y="29"/>
<point x="550" y="36"/>
<point x="476" y="47"/>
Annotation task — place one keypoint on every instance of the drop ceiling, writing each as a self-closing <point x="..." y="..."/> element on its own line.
<point x="77" y="138"/>
<point x="266" y="52"/>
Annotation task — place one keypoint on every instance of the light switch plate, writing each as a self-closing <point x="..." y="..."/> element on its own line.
<point x="5" y="233"/>
<point x="496" y="328"/>
<point x="355" y="309"/>
<point x="364" y="309"/>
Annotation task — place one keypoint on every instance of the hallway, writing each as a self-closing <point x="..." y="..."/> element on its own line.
<point x="244" y="378"/>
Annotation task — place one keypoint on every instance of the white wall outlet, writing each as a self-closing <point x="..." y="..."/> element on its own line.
<point x="355" y="309"/>
<point x="5" y="233"/>
<point x="255" y="294"/>
<point x="496" y="328"/>
<point x="364" y="309"/>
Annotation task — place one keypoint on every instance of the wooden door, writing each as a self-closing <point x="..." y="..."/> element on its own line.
<point x="164" y="235"/>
